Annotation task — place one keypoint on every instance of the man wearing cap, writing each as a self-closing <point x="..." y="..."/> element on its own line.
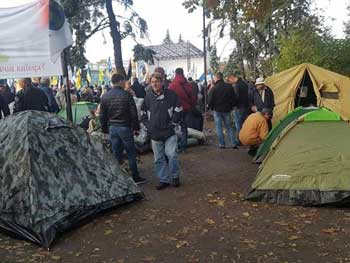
<point x="262" y="97"/>
<point x="255" y="129"/>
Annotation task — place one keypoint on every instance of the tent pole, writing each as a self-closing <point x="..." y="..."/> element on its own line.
<point x="205" y="61"/>
<point x="66" y="81"/>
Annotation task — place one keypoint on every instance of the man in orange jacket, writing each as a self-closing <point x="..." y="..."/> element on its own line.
<point x="255" y="130"/>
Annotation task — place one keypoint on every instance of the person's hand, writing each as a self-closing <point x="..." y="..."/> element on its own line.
<point x="105" y="136"/>
<point x="254" y="109"/>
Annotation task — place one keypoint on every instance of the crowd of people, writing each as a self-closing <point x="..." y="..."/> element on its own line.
<point x="168" y="109"/>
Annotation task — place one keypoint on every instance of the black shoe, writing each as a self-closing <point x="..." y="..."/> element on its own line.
<point x="139" y="180"/>
<point x="162" y="186"/>
<point x="235" y="147"/>
<point x="176" y="182"/>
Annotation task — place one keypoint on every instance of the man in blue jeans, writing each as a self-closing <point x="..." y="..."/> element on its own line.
<point x="119" y="118"/>
<point x="222" y="99"/>
<point x="240" y="112"/>
<point x="161" y="111"/>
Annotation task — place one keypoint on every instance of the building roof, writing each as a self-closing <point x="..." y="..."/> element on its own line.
<point x="173" y="51"/>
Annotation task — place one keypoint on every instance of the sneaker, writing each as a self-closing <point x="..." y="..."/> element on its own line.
<point x="139" y="180"/>
<point x="235" y="147"/>
<point x="162" y="186"/>
<point x="222" y="146"/>
<point x="176" y="182"/>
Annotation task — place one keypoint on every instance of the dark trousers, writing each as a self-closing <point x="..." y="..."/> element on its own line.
<point x="123" y="138"/>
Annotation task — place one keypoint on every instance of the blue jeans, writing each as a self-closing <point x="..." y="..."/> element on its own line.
<point x="225" y="118"/>
<point x="123" y="138"/>
<point x="239" y="116"/>
<point x="163" y="169"/>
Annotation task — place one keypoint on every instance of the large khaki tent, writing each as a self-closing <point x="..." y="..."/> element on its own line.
<point x="309" y="85"/>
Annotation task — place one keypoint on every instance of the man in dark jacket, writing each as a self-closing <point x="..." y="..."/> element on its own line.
<point x="6" y="94"/>
<point x="138" y="89"/>
<point x="161" y="111"/>
<point x="222" y="99"/>
<point x="30" y="98"/>
<point x="240" y="112"/>
<point x="262" y="97"/>
<point x="184" y="91"/>
<point x="45" y="87"/>
<point x="4" y="108"/>
<point x="118" y="116"/>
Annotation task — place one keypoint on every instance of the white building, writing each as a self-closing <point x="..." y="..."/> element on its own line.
<point x="171" y="56"/>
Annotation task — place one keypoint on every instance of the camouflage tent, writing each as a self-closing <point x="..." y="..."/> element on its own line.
<point x="53" y="175"/>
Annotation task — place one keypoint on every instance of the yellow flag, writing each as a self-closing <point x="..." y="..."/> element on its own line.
<point x="101" y="76"/>
<point x="54" y="80"/>
<point x="78" y="79"/>
<point x="88" y="76"/>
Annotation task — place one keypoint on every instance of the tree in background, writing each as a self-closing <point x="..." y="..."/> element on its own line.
<point x="214" y="60"/>
<point x="167" y="39"/>
<point x="89" y="17"/>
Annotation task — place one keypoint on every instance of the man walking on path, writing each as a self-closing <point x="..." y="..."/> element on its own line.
<point x="240" y="112"/>
<point x="222" y="99"/>
<point x="161" y="111"/>
<point x="30" y="97"/>
<point x="118" y="116"/>
<point x="262" y="97"/>
<point x="184" y="91"/>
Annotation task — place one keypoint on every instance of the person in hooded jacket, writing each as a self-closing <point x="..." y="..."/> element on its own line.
<point x="184" y="90"/>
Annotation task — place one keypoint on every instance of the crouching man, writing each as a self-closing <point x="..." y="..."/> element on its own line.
<point x="255" y="129"/>
<point x="160" y="112"/>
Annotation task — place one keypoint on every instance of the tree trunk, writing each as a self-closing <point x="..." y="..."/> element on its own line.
<point x="117" y="42"/>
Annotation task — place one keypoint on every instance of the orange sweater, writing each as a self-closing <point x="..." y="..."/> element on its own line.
<point x="254" y="130"/>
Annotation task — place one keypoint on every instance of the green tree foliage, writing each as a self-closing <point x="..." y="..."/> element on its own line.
<point x="145" y="54"/>
<point x="167" y="39"/>
<point x="214" y="60"/>
<point x="91" y="16"/>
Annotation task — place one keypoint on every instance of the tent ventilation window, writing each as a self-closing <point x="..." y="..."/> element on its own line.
<point x="329" y="91"/>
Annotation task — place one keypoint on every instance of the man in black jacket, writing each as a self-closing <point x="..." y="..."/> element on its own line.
<point x="4" y="108"/>
<point x="262" y="97"/>
<point x="161" y="111"/>
<point x="30" y="97"/>
<point x="240" y="112"/>
<point x="138" y="89"/>
<point x="118" y="116"/>
<point x="222" y="99"/>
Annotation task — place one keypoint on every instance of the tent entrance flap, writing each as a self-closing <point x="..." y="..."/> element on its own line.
<point x="305" y="95"/>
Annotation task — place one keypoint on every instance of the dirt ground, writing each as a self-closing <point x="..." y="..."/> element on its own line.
<point x="205" y="220"/>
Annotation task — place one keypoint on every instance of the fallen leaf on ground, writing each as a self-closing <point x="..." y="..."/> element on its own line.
<point x="148" y="259"/>
<point x="182" y="243"/>
<point x="108" y="232"/>
<point x="331" y="230"/>
<point x="210" y="221"/>
<point x="246" y="214"/>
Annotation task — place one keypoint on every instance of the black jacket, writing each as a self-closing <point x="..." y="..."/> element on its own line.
<point x="4" y="108"/>
<point x="8" y="97"/>
<point x="31" y="98"/>
<point x="222" y="97"/>
<point x="139" y="90"/>
<point x="241" y="90"/>
<point x="160" y="113"/>
<point x="118" y="108"/>
<point x="257" y="101"/>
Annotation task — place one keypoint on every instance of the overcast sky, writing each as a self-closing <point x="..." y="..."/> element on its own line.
<point x="170" y="14"/>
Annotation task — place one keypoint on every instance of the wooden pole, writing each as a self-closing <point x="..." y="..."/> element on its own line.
<point x="66" y="81"/>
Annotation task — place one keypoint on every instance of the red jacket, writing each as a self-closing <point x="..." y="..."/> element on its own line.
<point x="184" y="91"/>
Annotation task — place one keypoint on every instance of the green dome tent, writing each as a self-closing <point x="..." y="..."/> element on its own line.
<point x="291" y="117"/>
<point x="79" y="111"/>
<point x="308" y="164"/>
<point x="53" y="176"/>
